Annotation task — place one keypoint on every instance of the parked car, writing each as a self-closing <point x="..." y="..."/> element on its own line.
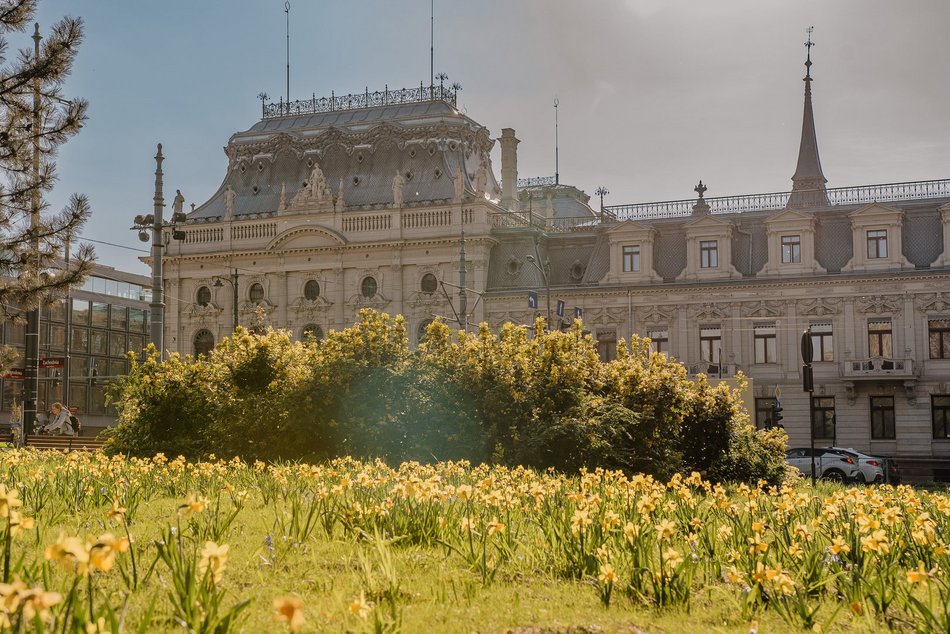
<point x="830" y="464"/>
<point x="872" y="469"/>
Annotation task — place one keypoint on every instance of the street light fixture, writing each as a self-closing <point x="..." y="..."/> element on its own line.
<point x="155" y="223"/>
<point x="547" y="283"/>
<point x="219" y="283"/>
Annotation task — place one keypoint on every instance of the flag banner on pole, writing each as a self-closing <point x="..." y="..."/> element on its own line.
<point x="532" y="299"/>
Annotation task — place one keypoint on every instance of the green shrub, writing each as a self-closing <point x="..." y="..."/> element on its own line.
<point x="543" y="401"/>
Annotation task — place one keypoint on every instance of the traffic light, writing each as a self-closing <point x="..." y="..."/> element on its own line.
<point x="777" y="413"/>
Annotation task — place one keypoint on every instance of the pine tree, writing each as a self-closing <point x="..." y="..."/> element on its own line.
<point x="35" y="120"/>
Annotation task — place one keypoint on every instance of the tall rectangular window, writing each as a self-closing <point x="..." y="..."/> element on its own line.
<point x="940" y="413"/>
<point x="710" y="343"/>
<point x="659" y="340"/>
<point x="607" y="345"/>
<point x="709" y="254"/>
<point x="882" y="417"/>
<point x="939" y="331"/>
<point x="823" y="417"/>
<point x="791" y="249"/>
<point x="763" y="412"/>
<point x="877" y="244"/>
<point x="879" y="338"/>
<point x="631" y="258"/>
<point x="822" y="342"/>
<point x="765" y="343"/>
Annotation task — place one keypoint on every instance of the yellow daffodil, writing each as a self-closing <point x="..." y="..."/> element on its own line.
<point x="213" y="561"/>
<point x="289" y="610"/>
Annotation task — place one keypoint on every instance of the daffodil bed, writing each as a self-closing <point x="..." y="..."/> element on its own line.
<point x="98" y="544"/>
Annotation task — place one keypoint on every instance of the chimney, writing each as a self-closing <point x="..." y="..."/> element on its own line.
<point x="509" y="168"/>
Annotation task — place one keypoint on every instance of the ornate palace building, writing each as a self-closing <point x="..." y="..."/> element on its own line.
<point x="332" y="205"/>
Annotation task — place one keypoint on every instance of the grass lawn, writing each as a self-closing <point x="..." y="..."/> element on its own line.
<point x="354" y="547"/>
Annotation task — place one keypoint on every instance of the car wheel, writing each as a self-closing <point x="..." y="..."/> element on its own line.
<point x="833" y="475"/>
<point x="860" y="479"/>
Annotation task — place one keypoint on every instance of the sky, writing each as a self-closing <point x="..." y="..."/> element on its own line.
<point x="653" y="95"/>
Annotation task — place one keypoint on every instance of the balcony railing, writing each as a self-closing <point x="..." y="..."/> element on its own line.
<point x="711" y="370"/>
<point x="366" y="99"/>
<point x="537" y="181"/>
<point x="878" y="368"/>
<point x="811" y="199"/>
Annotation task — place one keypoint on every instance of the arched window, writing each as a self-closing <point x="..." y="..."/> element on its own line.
<point x="423" y="335"/>
<point x="204" y="342"/>
<point x="429" y="284"/>
<point x="368" y="288"/>
<point x="256" y="292"/>
<point x="312" y="331"/>
<point x="203" y="296"/>
<point x="311" y="290"/>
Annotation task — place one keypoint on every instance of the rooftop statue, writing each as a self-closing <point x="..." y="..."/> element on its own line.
<point x="481" y="178"/>
<point x="314" y="191"/>
<point x="399" y="182"/>
<point x="458" y="179"/>
<point x="229" y="197"/>
<point x="178" y="203"/>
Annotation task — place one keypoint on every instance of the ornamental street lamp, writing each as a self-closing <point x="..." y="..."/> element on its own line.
<point x="219" y="283"/>
<point x="547" y="283"/>
<point x="154" y="221"/>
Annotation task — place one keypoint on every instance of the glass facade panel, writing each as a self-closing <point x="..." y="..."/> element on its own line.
<point x="137" y="319"/>
<point x="57" y="337"/>
<point x="14" y="334"/>
<point x="100" y="315"/>
<point x="56" y="310"/>
<point x="80" y="340"/>
<point x="117" y="346"/>
<point x="79" y="367"/>
<point x="80" y="312"/>
<point x="120" y="320"/>
<point x="77" y="397"/>
<point x="100" y="342"/>
<point x="117" y="367"/>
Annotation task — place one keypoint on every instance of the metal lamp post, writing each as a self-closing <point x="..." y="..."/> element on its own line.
<point x="219" y="283"/>
<point x="156" y="223"/>
<point x="547" y="283"/>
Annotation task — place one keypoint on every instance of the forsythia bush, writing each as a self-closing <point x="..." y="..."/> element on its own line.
<point x="506" y="397"/>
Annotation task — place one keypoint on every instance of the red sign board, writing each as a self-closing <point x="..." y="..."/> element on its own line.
<point x="51" y="363"/>
<point x="13" y="373"/>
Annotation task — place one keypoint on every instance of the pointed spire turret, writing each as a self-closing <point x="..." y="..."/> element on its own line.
<point x="808" y="183"/>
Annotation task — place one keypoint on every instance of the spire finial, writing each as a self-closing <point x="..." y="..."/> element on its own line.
<point x="808" y="46"/>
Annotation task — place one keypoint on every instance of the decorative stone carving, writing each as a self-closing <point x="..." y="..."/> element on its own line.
<point x="481" y="178"/>
<point x="517" y="317"/>
<point x="709" y="311"/>
<point x="304" y="307"/>
<point x="655" y="314"/>
<point x="314" y="193"/>
<point x="879" y="305"/>
<point x="820" y="307"/>
<point x="605" y="316"/>
<point x="282" y="202"/>
<point x="763" y="309"/>
<point x="513" y="266"/>
<point x="933" y="302"/>
<point x="203" y="315"/>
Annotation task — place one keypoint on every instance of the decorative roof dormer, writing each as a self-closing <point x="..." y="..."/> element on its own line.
<point x="791" y="240"/>
<point x="631" y="254"/>
<point x="877" y="234"/>
<point x="708" y="249"/>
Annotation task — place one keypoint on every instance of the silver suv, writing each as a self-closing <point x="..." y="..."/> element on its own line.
<point x="829" y="463"/>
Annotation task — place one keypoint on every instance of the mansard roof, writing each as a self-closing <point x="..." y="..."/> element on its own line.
<point x="359" y="152"/>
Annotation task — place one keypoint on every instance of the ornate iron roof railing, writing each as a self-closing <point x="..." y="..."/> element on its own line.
<point x="803" y="200"/>
<point x="366" y="99"/>
<point x="537" y="181"/>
